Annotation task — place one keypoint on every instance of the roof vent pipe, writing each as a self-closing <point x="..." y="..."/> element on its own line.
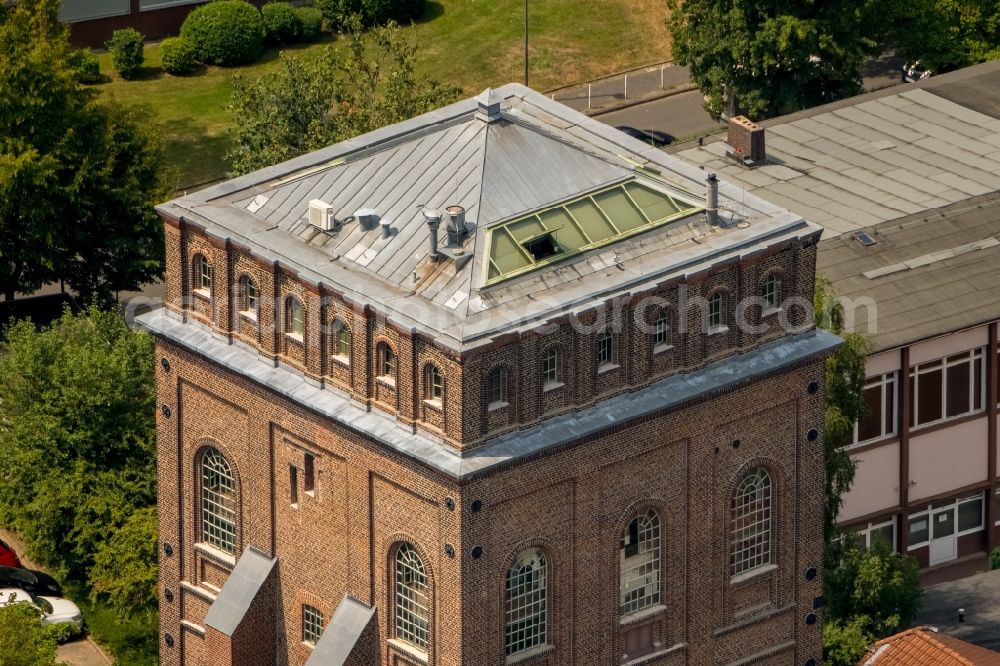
<point x="386" y="227"/>
<point x="456" y="224"/>
<point x="433" y="218"/>
<point x="712" y="200"/>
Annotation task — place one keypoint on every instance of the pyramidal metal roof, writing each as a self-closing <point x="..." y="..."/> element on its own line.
<point x="505" y="155"/>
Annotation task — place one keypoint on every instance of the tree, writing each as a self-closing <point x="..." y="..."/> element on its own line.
<point x="23" y="639"/>
<point x="845" y="643"/>
<point x="69" y="165"/>
<point x="771" y="57"/>
<point x="307" y="104"/>
<point x="945" y="34"/>
<point x="77" y="427"/>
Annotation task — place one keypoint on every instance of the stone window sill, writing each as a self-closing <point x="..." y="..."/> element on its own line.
<point x="552" y="386"/>
<point x="532" y="653"/>
<point x="341" y="359"/>
<point x="203" y="293"/>
<point x="752" y="573"/>
<point x="640" y="616"/>
<point x="249" y="315"/>
<point x="497" y="405"/>
<point x="213" y="553"/>
<point x="434" y="403"/>
<point x="770" y="311"/>
<point x="408" y="650"/>
<point x="295" y="337"/>
<point x="386" y="380"/>
<point x="659" y="349"/>
<point x="718" y="330"/>
<point x="607" y="367"/>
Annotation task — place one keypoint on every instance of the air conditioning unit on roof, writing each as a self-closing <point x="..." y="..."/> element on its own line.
<point x="321" y="216"/>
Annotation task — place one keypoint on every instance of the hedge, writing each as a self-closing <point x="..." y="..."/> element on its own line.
<point x="225" y="32"/>
<point x="281" y="23"/>
<point x="372" y="12"/>
<point x="85" y="65"/>
<point x="310" y="23"/>
<point x="177" y="56"/>
<point x="127" y="53"/>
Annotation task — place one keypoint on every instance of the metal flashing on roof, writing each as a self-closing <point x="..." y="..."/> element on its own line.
<point x="239" y="591"/>
<point x="341" y="635"/>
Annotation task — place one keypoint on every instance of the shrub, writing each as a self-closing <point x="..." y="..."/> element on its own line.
<point x="281" y="23"/>
<point x="86" y="67"/>
<point x="371" y="12"/>
<point x="310" y="23"/>
<point x="225" y="32"/>
<point x="177" y="56"/>
<point x="995" y="558"/>
<point x="126" y="52"/>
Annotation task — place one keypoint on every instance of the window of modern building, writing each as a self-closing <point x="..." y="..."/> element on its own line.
<point x="770" y="292"/>
<point x="527" y="602"/>
<point x="605" y="347"/>
<point x="312" y="624"/>
<point x="661" y="330"/>
<point x="947" y="388"/>
<point x="639" y="564"/>
<point x="386" y="362"/>
<point x="550" y="366"/>
<point x="751" y="522"/>
<point x="496" y="386"/>
<point x="970" y="513"/>
<point x="958" y="517"/>
<point x="295" y="318"/>
<point x="341" y="341"/>
<point x="249" y="300"/>
<point x="433" y="384"/>
<point x="218" y="502"/>
<point x="716" y="310"/>
<point x="885" y="531"/>
<point x="878" y="417"/>
<point x="412" y="605"/>
<point x="202" y="273"/>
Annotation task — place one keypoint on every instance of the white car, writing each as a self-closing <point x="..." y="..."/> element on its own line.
<point x="54" y="610"/>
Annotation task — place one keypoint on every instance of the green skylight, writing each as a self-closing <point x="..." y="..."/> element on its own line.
<point x="599" y="218"/>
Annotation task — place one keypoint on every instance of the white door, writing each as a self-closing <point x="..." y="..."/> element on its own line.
<point x="944" y="545"/>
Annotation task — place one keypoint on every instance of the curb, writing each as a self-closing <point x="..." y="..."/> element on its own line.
<point x="684" y="88"/>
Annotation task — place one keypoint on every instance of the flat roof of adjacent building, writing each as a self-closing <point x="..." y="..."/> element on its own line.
<point x="916" y="168"/>
<point x="563" y="211"/>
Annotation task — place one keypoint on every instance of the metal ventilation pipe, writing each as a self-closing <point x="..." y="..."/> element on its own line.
<point x="712" y="200"/>
<point x="456" y="224"/>
<point x="433" y="218"/>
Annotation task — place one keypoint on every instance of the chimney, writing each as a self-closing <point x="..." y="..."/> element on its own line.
<point x="489" y="106"/>
<point x="433" y="218"/>
<point x="712" y="200"/>
<point x="747" y="139"/>
<point x="456" y="224"/>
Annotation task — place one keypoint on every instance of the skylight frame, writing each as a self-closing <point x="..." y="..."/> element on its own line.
<point x="684" y="204"/>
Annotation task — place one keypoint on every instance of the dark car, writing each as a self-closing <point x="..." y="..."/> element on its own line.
<point x="33" y="582"/>
<point x="8" y="558"/>
<point x="652" y="137"/>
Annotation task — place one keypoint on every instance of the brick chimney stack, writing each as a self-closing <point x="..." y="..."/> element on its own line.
<point x="747" y="138"/>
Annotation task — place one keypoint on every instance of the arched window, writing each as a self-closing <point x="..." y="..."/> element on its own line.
<point x="527" y="602"/>
<point x="639" y="563"/>
<point x="716" y="310"/>
<point x="770" y="291"/>
<point x="751" y="522"/>
<point x="295" y="316"/>
<point x="661" y="329"/>
<point x="496" y="386"/>
<point x="605" y="347"/>
<point x="433" y="383"/>
<point x="341" y="341"/>
<point x="218" y="501"/>
<point x="249" y="298"/>
<point x="386" y="361"/>
<point x="412" y="607"/>
<point x="550" y="366"/>
<point x="202" y="273"/>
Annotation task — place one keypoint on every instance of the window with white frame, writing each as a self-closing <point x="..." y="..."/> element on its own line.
<point x="218" y="501"/>
<point x="249" y="302"/>
<point x="661" y="329"/>
<point x="412" y="599"/>
<point x="605" y="347"/>
<point x="947" y="388"/>
<point x="434" y="385"/>
<point x="639" y="564"/>
<point x="878" y="416"/>
<point x="496" y="386"/>
<point x="969" y="518"/>
<point x="527" y="602"/>
<point x="386" y="362"/>
<point x="550" y="366"/>
<point x="751" y="522"/>
<point x="295" y="317"/>
<point x="885" y="531"/>
<point x="716" y="307"/>
<point x="341" y="341"/>
<point x="970" y="514"/>
<point x="202" y="273"/>
<point x="770" y="292"/>
<point x="312" y="624"/>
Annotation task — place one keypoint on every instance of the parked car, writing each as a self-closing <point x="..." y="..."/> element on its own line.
<point x="8" y="558"/>
<point x="34" y="582"/>
<point x="652" y="137"/>
<point x="912" y="72"/>
<point x="52" y="610"/>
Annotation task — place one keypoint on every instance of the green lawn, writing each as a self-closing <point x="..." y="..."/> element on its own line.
<point x="473" y="43"/>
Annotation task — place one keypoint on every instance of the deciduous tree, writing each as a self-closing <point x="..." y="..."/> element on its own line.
<point x="23" y="639"/>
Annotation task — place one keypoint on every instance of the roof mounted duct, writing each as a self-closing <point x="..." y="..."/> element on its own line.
<point x="433" y="218"/>
<point x="712" y="200"/>
<point x="366" y="217"/>
<point x="456" y="224"/>
<point x="321" y="216"/>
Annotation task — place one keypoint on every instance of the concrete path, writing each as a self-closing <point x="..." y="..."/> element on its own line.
<point x="979" y="595"/>
<point x="81" y="652"/>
